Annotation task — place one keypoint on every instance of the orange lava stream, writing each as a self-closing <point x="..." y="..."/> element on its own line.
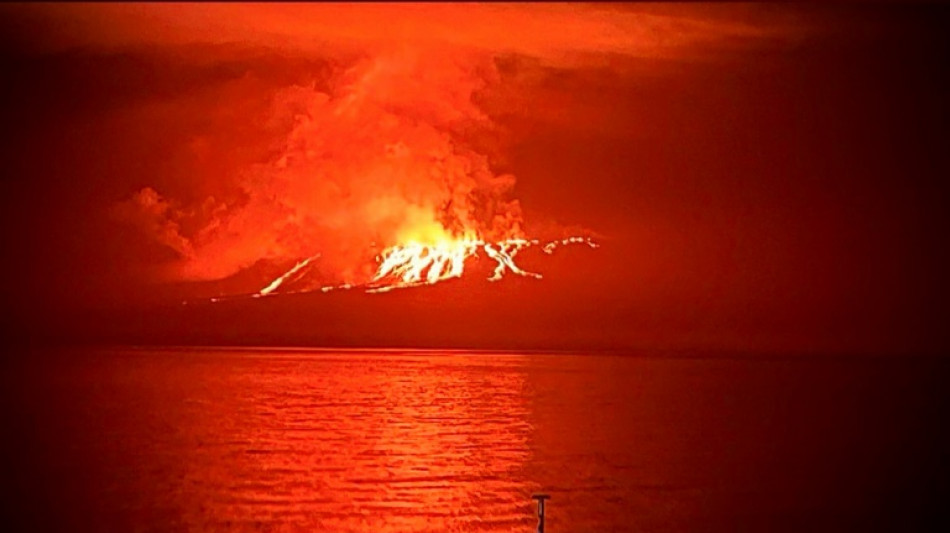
<point x="285" y="276"/>
<point x="414" y="264"/>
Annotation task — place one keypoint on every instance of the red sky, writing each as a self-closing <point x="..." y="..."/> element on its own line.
<point x="761" y="177"/>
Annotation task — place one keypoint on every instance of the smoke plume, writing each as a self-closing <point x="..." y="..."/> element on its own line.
<point x="380" y="156"/>
<point x="390" y="149"/>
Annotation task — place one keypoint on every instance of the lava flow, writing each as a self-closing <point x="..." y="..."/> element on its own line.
<point x="415" y="264"/>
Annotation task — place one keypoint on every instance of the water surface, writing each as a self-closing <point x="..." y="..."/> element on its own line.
<point x="278" y="440"/>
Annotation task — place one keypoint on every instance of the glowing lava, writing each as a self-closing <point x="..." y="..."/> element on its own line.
<point x="273" y="286"/>
<point x="415" y="264"/>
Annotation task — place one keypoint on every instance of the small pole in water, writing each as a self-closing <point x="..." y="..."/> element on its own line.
<point x="540" y="498"/>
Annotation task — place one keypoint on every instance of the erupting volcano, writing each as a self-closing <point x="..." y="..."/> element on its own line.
<point x="387" y="161"/>
<point x="414" y="264"/>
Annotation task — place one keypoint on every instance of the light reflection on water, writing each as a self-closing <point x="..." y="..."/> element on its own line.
<point x="217" y="440"/>
<point x="308" y="441"/>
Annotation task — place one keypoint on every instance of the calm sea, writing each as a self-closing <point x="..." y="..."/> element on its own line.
<point x="390" y="441"/>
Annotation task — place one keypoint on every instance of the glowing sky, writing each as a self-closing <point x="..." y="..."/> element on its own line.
<point x="759" y="176"/>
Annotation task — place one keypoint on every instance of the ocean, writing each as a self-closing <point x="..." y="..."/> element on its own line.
<point x="197" y="439"/>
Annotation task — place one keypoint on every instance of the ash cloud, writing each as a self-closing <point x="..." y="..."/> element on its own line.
<point x="378" y="158"/>
<point x="556" y="32"/>
<point x="390" y="147"/>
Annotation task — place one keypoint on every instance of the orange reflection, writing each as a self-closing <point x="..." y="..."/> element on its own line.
<point x="334" y="442"/>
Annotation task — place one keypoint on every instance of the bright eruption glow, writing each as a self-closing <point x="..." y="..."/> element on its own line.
<point x="391" y="157"/>
<point x="415" y="264"/>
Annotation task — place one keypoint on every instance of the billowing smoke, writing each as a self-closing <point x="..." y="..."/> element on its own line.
<point x="391" y="149"/>
<point x="382" y="154"/>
